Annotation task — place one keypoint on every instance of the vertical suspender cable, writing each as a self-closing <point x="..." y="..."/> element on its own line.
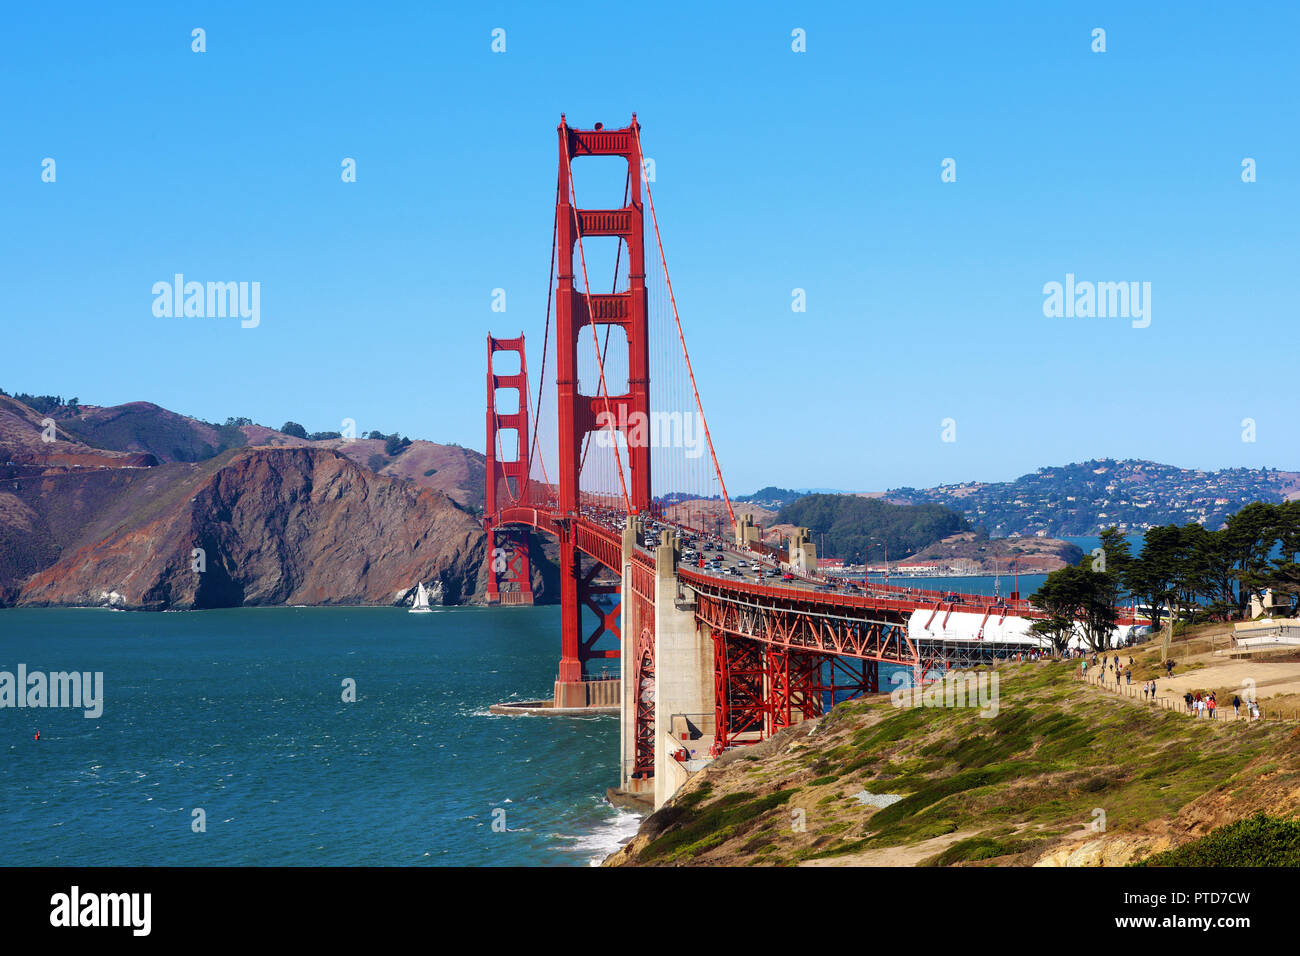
<point x="671" y="298"/>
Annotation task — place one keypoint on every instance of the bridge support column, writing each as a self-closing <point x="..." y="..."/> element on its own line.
<point x="684" y="709"/>
<point x="631" y="625"/>
<point x="803" y="553"/>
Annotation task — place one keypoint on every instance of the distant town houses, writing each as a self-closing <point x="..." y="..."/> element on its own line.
<point x="1083" y="498"/>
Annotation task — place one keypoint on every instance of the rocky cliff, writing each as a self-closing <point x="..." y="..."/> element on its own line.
<point x="272" y="526"/>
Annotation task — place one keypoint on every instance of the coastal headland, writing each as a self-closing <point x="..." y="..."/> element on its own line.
<point x="1064" y="774"/>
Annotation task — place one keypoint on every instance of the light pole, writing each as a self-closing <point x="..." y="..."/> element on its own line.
<point x="884" y="544"/>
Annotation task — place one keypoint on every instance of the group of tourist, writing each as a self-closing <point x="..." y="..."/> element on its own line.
<point x="1198" y="704"/>
<point x="1203" y="705"/>
<point x="1112" y="664"/>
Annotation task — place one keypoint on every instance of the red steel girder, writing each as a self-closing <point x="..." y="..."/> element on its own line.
<point x="643" y="744"/>
<point x="607" y="621"/>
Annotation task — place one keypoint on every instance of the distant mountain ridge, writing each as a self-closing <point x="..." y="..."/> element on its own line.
<point x="1083" y="498"/>
<point x="105" y="505"/>
<point x="144" y="428"/>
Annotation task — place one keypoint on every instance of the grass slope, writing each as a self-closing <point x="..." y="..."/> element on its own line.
<point x="1040" y="773"/>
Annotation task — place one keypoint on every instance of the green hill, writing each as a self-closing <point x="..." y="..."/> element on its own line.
<point x="851" y="526"/>
<point x="1061" y="769"/>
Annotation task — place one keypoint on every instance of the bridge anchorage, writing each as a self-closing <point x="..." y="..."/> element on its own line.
<point x="674" y="614"/>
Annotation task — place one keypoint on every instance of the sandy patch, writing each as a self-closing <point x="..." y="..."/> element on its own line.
<point x="1270" y="679"/>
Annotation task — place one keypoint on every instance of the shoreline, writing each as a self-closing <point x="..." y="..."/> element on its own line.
<point x="880" y="577"/>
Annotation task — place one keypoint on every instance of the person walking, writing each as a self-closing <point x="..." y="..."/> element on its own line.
<point x="1236" y="706"/>
<point x="1210" y="705"/>
<point x="1187" y="698"/>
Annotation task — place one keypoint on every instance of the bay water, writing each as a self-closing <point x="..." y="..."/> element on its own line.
<point x="241" y="714"/>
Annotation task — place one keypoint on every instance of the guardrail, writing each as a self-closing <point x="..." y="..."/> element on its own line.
<point x="1222" y="711"/>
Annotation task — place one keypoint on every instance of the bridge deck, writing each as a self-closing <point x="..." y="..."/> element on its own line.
<point x="603" y="543"/>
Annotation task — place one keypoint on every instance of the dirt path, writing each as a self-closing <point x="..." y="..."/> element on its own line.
<point x="1270" y="680"/>
<point x="909" y="855"/>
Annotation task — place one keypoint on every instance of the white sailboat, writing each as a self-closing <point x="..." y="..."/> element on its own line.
<point x="421" y="605"/>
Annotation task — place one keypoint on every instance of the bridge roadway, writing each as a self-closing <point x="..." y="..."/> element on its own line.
<point x="599" y="536"/>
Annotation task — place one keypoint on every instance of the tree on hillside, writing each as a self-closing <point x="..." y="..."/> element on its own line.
<point x="1077" y="594"/>
<point x="293" y="430"/>
<point x="1254" y="534"/>
<point x="1057" y="629"/>
<point x="1152" y="576"/>
<point x="1217" y="565"/>
<point x="394" y="446"/>
<point x="1062" y="597"/>
<point x="1115" y="560"/>
<point x="1283" y="573"/>
<point x="45" y="404"/>
<point x="1101" y="616"/>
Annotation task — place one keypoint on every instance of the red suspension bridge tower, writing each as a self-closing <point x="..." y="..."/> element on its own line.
<point x="580" y="313"/>
<point x="506" y="479"/>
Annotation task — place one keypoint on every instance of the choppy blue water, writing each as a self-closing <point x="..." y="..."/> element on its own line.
<point x="972" y="584"/>
<point x="240" y="713"/>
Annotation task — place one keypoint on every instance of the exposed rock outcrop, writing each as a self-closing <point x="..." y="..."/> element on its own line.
<point x="274" y="526"/>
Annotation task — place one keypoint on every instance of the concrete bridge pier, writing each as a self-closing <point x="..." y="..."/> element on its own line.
<point x="684" y="712"/>
<point x="803" y="553"/>
<point x="630" y="627"/>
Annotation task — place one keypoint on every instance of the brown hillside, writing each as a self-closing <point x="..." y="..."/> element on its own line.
<point x="296" y="526"/>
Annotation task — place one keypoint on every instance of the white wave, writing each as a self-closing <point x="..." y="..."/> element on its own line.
<point x="606" y="837"/>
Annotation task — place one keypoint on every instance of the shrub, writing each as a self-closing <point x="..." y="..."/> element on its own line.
<point x="1260" y="840"/>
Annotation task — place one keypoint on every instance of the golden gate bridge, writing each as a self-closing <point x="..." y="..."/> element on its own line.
<point x="708" y="659"/>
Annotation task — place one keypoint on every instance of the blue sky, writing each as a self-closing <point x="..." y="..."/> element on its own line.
<point x="775" y="170"/>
